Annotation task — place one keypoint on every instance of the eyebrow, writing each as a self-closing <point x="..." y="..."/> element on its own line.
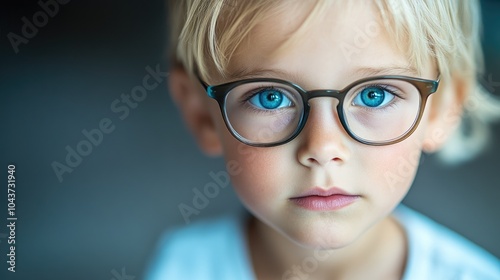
<point x="261" y="72"/>
<point x="388" y="70"/>
<point x="360" y="72"/>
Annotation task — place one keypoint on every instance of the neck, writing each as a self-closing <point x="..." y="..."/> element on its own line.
<point x="380" y="251"/>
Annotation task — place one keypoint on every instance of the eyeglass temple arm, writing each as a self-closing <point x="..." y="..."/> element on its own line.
<point x="205" y="85"/>
<point x="435" y="84"/>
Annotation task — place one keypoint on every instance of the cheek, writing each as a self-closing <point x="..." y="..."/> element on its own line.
<point x="391" y="169"/>
<point x="262" y="180"/>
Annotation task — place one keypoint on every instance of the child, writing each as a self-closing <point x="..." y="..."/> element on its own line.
<point x="313" y="104"/>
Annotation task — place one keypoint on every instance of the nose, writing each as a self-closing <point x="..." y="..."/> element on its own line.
<point x="323" y="139"/>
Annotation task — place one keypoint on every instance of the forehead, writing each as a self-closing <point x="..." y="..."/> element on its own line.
<point x="338" y="42"/>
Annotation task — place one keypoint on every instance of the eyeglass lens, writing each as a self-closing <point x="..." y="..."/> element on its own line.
<point x="374" y="111"/>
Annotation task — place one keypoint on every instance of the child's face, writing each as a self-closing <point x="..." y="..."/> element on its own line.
<point x="335" y="51"/>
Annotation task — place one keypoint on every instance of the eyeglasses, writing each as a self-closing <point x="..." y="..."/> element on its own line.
<point x="266" y="112"/>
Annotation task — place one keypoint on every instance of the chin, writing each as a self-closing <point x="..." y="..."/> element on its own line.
<point x="320" y="236"/>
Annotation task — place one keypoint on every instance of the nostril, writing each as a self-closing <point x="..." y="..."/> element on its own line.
<point x="315" y="161"/>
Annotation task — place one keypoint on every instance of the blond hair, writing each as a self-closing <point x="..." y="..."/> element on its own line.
<point x="206" y="33"/>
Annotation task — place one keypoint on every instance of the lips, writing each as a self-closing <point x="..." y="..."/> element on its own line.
<point x="318" y="199"/>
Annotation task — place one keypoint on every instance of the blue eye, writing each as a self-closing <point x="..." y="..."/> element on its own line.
<point x="270" y="99"/>
<point x="373" y="96"/>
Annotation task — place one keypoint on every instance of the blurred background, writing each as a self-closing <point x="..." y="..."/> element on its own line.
<point x="103" y="219"/>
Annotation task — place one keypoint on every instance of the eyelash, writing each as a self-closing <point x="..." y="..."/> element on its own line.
<point x="249" y="95"/>
<point x="396" y="92"/>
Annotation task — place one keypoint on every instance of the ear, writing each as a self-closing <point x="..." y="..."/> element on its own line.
<point x="189" y="97"/>
<point x="446" y="108"/>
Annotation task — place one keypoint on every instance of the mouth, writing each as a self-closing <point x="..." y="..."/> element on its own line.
<point x="318" y="199"/>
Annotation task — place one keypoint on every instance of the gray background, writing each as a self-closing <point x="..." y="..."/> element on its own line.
<point x="109" y="212"/>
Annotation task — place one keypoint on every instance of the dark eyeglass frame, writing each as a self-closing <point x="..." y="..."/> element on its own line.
<point x="425" y="87"/>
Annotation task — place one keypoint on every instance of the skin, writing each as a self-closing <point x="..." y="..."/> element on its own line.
<point x="283" y="234"/>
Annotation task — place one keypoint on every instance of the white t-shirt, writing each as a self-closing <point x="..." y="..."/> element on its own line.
<point x="217" y="250"/>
